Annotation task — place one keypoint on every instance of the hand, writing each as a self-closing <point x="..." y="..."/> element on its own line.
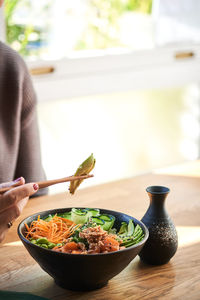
<point x="13" y="202"/>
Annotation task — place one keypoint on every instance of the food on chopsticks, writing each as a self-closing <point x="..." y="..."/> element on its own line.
<point x="83" y="231"/>
<point x="84" y="169"/>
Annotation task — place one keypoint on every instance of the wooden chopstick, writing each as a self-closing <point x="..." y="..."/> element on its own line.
<point x="46" y="183"/>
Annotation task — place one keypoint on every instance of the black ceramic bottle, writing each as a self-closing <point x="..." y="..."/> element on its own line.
<point x="163" y="241"/>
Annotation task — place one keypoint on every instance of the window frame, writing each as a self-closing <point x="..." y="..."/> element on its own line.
<point x="111" y="73"/>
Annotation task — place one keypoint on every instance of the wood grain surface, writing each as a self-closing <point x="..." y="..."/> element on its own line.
<point x="179" y="279"/>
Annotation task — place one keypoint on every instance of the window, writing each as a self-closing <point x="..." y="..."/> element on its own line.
<point x="113" y="47"/>
<point x="55" y="29"/>
<point x="106" y="60"/>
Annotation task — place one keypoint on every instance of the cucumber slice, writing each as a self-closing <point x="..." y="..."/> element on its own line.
<point x="92" y="212"/>
<point x="109" y="221"/>
<point x="66" y="215"/>
<point x="79" y="216"/>
<point x="98" y="221"/>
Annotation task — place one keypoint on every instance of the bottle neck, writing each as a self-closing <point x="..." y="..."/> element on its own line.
<point x="157" y="205"/>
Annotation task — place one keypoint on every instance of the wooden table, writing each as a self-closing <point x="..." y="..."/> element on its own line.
<point x="179" y="279"/>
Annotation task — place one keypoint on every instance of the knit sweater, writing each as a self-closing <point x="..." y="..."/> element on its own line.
<point x="19" y="136"/>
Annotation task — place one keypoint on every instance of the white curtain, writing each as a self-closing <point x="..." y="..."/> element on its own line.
<point x="176" y="21"/>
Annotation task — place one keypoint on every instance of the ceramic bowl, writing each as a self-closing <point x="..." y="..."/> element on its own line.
<point x="82" y="271"/>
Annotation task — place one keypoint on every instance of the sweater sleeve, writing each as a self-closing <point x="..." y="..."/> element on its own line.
<point x="29" y="163"/>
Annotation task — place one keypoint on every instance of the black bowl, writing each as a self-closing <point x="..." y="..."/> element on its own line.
<point x="82" y="271"/>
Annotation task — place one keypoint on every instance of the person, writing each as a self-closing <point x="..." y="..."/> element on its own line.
<point x="20" y="155"/>
<point x="13" y="201"/>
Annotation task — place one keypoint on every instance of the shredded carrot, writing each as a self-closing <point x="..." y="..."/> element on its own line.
<point x="27" y="227"/>
<point x="57" y="230"/>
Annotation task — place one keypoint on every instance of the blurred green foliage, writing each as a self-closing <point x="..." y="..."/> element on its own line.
<point x="16" y="34"/>
<point x="103" y="28"/>
<point x="101" y="33"/>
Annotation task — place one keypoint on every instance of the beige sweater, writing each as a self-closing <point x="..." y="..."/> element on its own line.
<point x="19" y="136"/>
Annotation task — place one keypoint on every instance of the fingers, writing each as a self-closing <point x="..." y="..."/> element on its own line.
<point x="16" y="182"/>
<point x="12" y="212"/>
<point x="13" y="196"/>
<point x="12" y="204"/>
<point x="9" y="215"/>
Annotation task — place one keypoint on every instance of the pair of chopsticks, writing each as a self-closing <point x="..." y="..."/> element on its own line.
<point x="46" y="183"/>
